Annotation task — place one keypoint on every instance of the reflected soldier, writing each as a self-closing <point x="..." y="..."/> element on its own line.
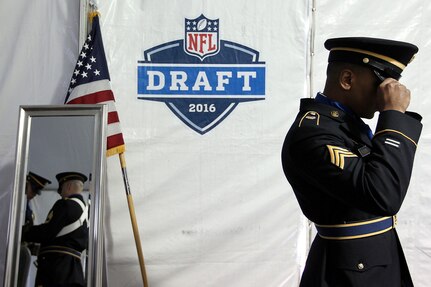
<point x="63" y="236"/>
<point x="34" y="184"/>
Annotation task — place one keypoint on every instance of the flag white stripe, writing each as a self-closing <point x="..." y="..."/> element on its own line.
<point x="89" y="88"/>
<point x="113" y="129"/>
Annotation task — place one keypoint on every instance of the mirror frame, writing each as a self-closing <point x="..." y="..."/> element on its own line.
<point x="97" y="187"/>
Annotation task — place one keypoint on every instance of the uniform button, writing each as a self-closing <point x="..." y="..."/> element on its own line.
<point x="361" y="266"/>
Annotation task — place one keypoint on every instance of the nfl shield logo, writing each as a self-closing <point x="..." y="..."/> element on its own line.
<point x="201" y="78"/>
<point x="201" y="37"/>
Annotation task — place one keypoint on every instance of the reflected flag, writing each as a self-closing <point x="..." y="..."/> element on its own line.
<point x="90" y="84"/>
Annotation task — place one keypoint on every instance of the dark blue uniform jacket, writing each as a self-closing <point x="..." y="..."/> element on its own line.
<point x="339" y="175"/>
<point x="60" y="267"/>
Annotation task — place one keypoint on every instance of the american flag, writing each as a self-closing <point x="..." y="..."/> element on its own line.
<point x="90" y="84"/>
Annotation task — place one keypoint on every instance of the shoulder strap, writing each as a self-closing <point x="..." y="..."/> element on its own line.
<point x="78" y="223"/>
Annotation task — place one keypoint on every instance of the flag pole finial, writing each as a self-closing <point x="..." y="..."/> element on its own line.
<point x="93" y="11"/>
<point x="93" y="14"/>
<point x="93" y="5"/>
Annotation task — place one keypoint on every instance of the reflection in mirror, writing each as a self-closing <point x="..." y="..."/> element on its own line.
<point x="60" y="169"/>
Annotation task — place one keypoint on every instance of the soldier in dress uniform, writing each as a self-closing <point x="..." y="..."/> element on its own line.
<point x="63" y="236"/>
<point x="34" y="184"/>
<point x="347" y="181"/>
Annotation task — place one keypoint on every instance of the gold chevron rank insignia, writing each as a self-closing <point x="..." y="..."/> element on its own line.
<point x="338" y="154"/>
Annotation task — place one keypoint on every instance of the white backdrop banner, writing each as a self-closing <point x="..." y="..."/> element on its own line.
<point x="206" y="91"/>
<point x="204" y="101"/>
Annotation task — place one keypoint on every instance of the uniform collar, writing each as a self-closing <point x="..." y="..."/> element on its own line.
<point x="348" y="123"/>
<point x="321" y="98"/>
<point x="77" y="196"/>
<point x="335" y="113"/>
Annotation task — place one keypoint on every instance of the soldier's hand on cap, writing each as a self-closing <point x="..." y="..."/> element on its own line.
<point x="392" y="95"/>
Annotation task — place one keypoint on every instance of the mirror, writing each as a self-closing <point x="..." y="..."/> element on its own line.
<point x="51" y="140"/>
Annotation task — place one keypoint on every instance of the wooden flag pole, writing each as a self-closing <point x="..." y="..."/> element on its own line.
<point x="133" y="218"/>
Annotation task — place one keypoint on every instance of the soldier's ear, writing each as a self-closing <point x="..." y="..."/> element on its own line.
<point x="345" y="79"/>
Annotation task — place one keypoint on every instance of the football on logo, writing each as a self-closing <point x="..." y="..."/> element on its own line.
<point x="201" y="78"/>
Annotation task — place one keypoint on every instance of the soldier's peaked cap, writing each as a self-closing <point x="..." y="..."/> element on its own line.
<point x="70" y="175"/>
<point x="37" y="182"/>
<point x="386" y="56"/>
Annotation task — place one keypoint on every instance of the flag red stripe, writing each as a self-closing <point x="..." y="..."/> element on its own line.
<point x="115" y="140"/>
<point x="94" y="98"/>
<point x="113" y="117"/>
